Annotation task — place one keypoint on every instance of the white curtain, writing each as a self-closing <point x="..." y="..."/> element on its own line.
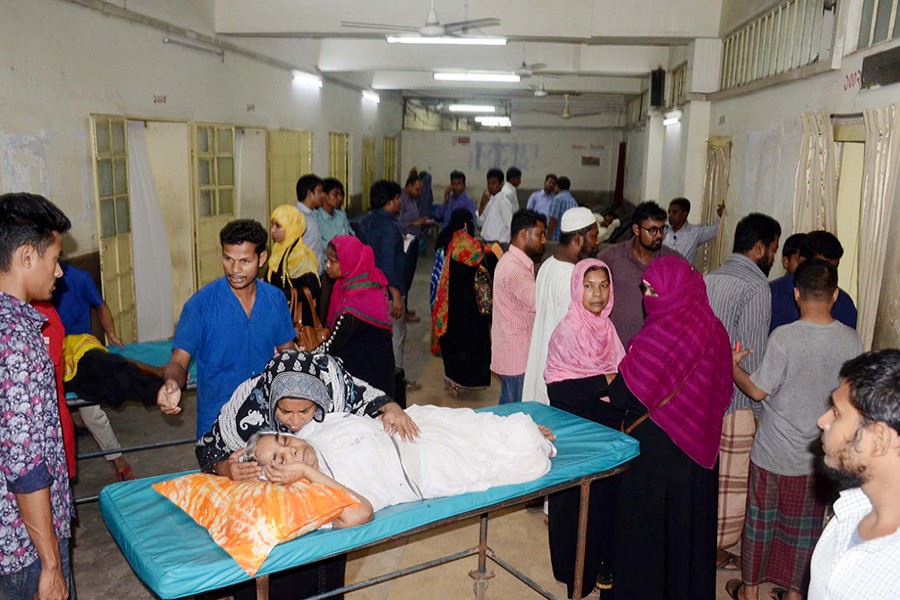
<point x="882" y="160"/>
<point x="715" y="192"/>
<point x="152" y="258"/>
<point x="815" y="190"/>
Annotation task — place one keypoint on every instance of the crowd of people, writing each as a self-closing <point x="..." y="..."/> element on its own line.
<point x="736" y="387"/>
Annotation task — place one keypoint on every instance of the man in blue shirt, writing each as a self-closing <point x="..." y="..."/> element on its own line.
<point x="379" y="230"/>
<point x="562" y="202"/>
<point x="815" y="244"/>
<point x="74" y="296"/>
<point x="310" y="197"/>
<point x="455" y="197"/>
<point x="541" y="200"/>
<point x="232" y="326"/>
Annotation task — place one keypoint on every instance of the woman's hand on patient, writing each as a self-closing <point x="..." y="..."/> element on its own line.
<point x="396" y="420"/>
<point x="235" y="469"/>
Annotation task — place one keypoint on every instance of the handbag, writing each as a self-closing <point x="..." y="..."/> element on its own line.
<point x="484" y="295"/>
<point x="646" y="415"/>
<point x="309" y="337"/>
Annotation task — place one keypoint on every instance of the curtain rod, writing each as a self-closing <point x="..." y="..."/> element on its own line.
<point x="856" y="115"/>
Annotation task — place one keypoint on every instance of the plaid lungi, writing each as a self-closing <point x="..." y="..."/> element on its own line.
<point x="785" y="518"/>
<point x="738" y="430"/>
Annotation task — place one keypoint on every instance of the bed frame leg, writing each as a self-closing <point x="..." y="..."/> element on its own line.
<point x="262" y="588"/>
<point x="582" y="538"/>
<point x="481" y="575"/>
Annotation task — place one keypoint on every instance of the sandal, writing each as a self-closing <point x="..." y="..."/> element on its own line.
<point x="451" y="386"/>
<point x="126" y="474"/>
<point x="731" y="562"/>
<point x="733" y="588"/>
<point x="778" y="593"/>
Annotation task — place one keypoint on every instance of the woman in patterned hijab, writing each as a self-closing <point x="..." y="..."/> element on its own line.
<point x="294" y="388"/>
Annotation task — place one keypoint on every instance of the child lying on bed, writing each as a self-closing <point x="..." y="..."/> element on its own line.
<point x="458" y="450"/>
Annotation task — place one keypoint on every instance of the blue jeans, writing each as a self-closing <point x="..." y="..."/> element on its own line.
<point x="23" y="584"/>
<point x="511" y="388"/>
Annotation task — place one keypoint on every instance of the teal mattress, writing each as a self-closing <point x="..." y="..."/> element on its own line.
<point x="176" y="557"/>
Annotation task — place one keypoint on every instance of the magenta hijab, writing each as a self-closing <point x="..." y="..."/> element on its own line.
<point x="361" y="290"/>
<point x="584" y="344"/>
<point x="683" y="348"/>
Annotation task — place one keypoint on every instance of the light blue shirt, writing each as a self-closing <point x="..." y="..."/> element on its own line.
<point x="331" y="226"/>
<point x="540" y="201"/>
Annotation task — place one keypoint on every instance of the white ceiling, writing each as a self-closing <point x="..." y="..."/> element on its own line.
<point x="602" y="50"/>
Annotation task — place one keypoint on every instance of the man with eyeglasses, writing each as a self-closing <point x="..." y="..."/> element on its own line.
<point x="627" y="261"/>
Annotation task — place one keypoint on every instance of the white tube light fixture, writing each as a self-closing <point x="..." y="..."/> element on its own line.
<point x="478" y="77"/>
<point x="493" y="121"/>
<point x="371" y="96"/>
<point x="446" y="39"/>
<point x="478" y="108"/>
<point x="672" y="117"/>
<point x="308" y="79"/>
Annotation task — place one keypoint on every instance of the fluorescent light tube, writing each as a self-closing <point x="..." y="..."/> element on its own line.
<point x="304" y="78"/>
<point x="479" y="108"/>
<point x="672" y="117"/>
<point x="478" y="77"/>
<point x="371" y="96"/>
<point x="461" y="41"/>
<point x="493" y="121"/>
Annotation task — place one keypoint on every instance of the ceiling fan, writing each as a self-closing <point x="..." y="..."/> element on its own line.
<point x="432" y="27"/>
<point x="566" y="113"/>
<point x="527" y="70"/>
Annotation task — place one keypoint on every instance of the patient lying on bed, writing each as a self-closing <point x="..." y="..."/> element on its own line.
<point x="458" y="451"/>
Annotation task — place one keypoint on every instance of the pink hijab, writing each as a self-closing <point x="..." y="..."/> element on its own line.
<point x="361" y="289"/>
<point x="683" y="344"/>
<point x="584" y="344"/>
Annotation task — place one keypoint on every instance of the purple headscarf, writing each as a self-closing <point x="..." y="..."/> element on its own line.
<point x="683" y="346"/>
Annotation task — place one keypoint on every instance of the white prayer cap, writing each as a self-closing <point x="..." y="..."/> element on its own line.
<point x="576" y="218"/>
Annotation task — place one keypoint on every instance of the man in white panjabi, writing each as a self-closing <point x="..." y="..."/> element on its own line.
<point x="579" y="239"/>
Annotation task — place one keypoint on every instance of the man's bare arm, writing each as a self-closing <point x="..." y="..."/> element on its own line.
<point x="174" y="379"/>
<point x="34" y="508"/>
<point x="109" y="328"/>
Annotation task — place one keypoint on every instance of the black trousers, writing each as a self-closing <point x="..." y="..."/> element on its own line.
<point x="301" y="582"/>
<point x="580" y="397"/>
<point x="410" y="260"/>
<point x="112" y="379"/>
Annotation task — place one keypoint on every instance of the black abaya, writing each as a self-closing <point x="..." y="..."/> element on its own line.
<point x="581" y="397"/>
<point x="466" y="346"/>
<point x="665" y="534"/>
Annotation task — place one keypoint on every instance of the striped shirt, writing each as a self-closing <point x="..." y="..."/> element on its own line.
<point x="685" y="240"/>
<point x="513" y="320"/>
<point x="739" y="295"/>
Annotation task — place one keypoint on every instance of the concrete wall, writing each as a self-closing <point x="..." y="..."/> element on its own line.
<point x="766" y="133"/>
<point x="60" y="62"/>
<point x="535" y="152"/>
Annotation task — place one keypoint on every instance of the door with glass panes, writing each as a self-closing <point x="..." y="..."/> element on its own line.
<point x="109" y="149"/>
<point x="214" y="196"/>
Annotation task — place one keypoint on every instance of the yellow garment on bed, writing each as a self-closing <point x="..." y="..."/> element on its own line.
<point x="249" y="518"/>
<point x="74" y="347"/>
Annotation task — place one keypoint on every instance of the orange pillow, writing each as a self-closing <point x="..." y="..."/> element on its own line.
<point x="249" y="518"/>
